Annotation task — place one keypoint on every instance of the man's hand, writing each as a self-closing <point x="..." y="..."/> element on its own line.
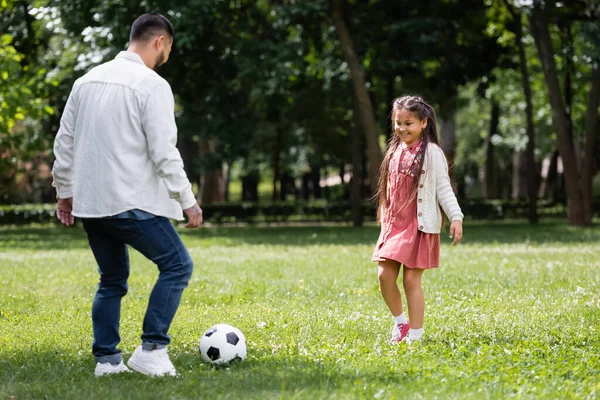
<point x="194" y="215"/>
<point x="456" y="232"/>
<point x="64" y="211"/>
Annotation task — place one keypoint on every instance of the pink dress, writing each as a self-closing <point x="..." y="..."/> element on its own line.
<point x="400" y="238"/>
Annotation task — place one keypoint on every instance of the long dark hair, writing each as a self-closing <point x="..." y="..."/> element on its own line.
<point x="417" y="105"/>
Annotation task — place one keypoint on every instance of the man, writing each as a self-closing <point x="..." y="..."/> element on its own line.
<point x="117" y="168"/>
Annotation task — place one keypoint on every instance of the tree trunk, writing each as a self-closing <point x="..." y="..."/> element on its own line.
<point x="365" y="107"/>
<point x="356" y="189"/>
<point x="447" y="129"/>
<point x="532" y="178"/>
<point x="227" y="178"/>
<point x="305" y="186"/>
<point x="551" y="186"/>
<point x="490" y="174"/>
<point x="315" y="180"/>
<point x="250" y="187"/>
<point x="541" y="35"/>
<point x="345" y="185"/>
<point x="364" y="175"/>
<point x="189" y="151"/>
<point x="519" y="175"/>
<point x="213" y="186"/>
<point x="568" y="57"/>
<point x="283" y="186"/>
<point x="591" y="131"/>
<point x="212" y="180"/>
<point x="390" y="95"/>
<point x="276" y="160"/>
<point x="326" y="188"/>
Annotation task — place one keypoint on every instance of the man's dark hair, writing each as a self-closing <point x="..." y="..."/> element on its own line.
<point x="146" y="26"/>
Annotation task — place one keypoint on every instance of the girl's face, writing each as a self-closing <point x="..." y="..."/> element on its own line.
<point x="408" y="126"/>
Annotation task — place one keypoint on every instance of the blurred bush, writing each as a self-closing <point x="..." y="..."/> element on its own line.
<point x="310" y="211"/>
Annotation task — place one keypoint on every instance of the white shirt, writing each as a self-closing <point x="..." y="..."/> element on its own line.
<point x="434" y="191"/>
<point x="115" y="149"/>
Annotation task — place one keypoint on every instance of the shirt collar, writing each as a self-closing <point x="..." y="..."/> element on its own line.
<point x="131" y="56"/>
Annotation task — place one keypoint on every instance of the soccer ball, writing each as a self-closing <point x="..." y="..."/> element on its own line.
<point x="221" y="344"/>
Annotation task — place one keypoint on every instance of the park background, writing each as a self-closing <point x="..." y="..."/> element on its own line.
<point x="283" y="110"/>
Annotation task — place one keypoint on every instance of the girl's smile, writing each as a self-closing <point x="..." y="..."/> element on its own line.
<point x="408" y="126"/>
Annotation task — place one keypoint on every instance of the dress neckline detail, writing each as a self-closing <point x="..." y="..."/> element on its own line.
<point x="410" y="146"/>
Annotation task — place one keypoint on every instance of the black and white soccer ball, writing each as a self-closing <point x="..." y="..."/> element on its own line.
<point x="222" y="344"/>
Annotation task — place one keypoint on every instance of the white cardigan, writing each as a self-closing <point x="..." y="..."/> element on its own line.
<point x="434" y="188"/>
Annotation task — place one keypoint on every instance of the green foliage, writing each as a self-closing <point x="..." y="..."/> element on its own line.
<point x="18" y="97"/>
<point x="20" y="106"/>
<point x="436" y="49"/>
<point x="504" y="85"/>
<point x="305" y="211"/>
<point x="36" y="59"/>
<point x="257" y="78"/>
<point x="512" y="312"/>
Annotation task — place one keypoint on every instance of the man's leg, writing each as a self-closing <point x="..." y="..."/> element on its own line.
<point x="162" y="245"/>
<point x="113" y="265"/>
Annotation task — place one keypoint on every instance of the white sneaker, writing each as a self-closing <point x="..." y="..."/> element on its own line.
<point x="152" y="362"/>
<point x="108" y="369"/>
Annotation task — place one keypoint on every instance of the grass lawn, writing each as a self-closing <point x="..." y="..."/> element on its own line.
<point x="514" y="311"/>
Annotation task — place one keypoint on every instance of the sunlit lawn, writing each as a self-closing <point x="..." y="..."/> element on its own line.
<point x="514" y="311"/>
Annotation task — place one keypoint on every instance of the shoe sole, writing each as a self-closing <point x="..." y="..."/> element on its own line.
<point x="132" y="363"/>
<point x="125" y="371"/>
<point x="116" y="372"/>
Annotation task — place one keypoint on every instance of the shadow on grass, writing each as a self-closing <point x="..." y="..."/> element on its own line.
<point x="515" y="232"/>
<point x="43" y="237"/>
<point x="59" y="375"/>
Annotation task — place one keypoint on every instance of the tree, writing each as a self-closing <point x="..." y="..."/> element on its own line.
<point x="577" y="180"/>
<point x="32" y="71"/>
<point x="490" y="166"/>
<point x="214" y="115"/>
<point x="365" y="107"/>
<point x="531" y="168"/>
<point x="356" y="195"/>
<point x="435" y="48"/>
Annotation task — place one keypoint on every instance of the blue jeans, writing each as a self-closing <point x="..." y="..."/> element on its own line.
<point x="156" y="239"/>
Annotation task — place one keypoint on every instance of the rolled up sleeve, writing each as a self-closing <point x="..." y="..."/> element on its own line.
<point x="158" y="122"/>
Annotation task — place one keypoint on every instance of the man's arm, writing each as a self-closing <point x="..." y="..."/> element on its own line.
<point x="62" y="170"/>
<point x="158" y="122"/>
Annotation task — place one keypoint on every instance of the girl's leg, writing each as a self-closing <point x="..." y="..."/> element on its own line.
<point x="414" y="296"/>
<point x="388" y="271"/>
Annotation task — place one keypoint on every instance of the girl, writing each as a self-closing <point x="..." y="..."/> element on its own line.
<point x="413" y="184"/>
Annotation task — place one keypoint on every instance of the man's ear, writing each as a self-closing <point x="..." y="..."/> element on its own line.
<point x="159" y="42"/>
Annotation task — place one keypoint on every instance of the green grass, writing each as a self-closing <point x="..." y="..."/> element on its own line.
<point x="514" y="311"/>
